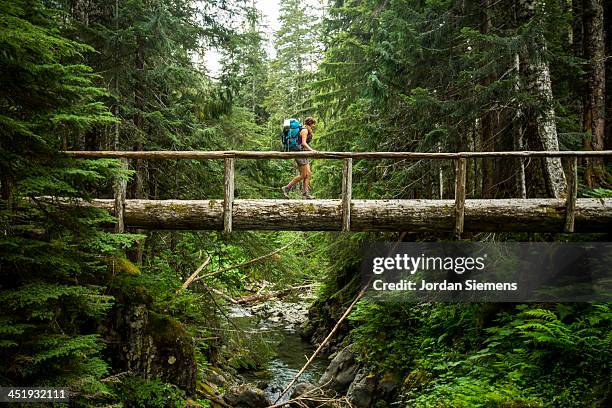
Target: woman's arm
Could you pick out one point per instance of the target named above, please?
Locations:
(304, 136)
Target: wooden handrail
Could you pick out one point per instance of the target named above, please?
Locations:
(460, 181)
(206, 155)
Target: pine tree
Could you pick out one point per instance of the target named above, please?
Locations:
(245, 65)
(50, 257)
(293, 68)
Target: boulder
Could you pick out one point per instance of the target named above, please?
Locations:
(301, 388)
(246, 396)
(341, 371)
(367, 389)
(362, 390)
(152, 345)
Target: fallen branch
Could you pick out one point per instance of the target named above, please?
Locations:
(268, 295)
(324, 342)
(317, 396)
(251, 262)
(223, 295)
(193, 276)
(213, 398)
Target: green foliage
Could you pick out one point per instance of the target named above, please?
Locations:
(598, 193)
(50, 257)
(139, 393)
(488, 355)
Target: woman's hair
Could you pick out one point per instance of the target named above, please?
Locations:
(310, 121)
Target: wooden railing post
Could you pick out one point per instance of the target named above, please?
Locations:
(572, 193)
(460, 196)
(228, 199)
(347, 191)
(120, 191)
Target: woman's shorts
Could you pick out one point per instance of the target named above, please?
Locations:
(302, 162)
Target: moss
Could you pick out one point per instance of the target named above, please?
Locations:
(165, 329)
(310, 207)
(416, 379)
(139, 294)
(554, 213)
(178, 208)
(123, 265)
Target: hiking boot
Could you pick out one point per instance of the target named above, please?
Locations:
(286, 191)
(307, 195)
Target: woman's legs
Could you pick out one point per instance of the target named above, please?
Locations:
(305, 170)
(304, 173)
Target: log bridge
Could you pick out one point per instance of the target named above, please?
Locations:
(567, 215)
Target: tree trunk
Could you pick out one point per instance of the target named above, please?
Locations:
(488, 118)
(608, 38)
(501, 215)
(595, 100)
(577, 28)
(544, 130)
(138, 188)
(518, 131)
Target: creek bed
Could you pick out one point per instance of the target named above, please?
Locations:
(278, 322)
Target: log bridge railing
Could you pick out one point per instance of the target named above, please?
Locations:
(549, 215)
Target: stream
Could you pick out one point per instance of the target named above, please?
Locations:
(279, 321)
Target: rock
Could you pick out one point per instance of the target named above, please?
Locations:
(153, 345)
(366, 390)
(246, 396)
(340, 372)
(215, 378)
(362, 390)
(387, 386)
(301, 388)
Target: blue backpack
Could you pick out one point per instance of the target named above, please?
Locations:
(291, 135)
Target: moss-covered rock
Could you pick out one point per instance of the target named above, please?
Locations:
(152, 345)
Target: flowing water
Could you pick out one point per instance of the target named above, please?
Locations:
(290, 351)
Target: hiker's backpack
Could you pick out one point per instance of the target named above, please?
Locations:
(291, 135)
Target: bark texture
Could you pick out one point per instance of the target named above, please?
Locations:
(526, 215)
(543, 127)
(595, 100)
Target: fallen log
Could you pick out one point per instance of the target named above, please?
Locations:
(503, 215)
(258, 297)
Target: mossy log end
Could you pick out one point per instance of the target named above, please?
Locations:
(503, 215)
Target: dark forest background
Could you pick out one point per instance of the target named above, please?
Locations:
(98, 311)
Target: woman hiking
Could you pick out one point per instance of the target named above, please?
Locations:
(303, 163)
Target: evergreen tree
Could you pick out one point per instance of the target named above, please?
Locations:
(51, 258)
(245, 65)
(297, 54)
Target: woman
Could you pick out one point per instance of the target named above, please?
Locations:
(303, 164)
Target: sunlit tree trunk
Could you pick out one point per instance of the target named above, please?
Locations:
(544, 130)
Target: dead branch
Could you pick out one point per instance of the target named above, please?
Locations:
(251, 262)
(223, 295)
(193, 276)
(268, 295)
(316, 395)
